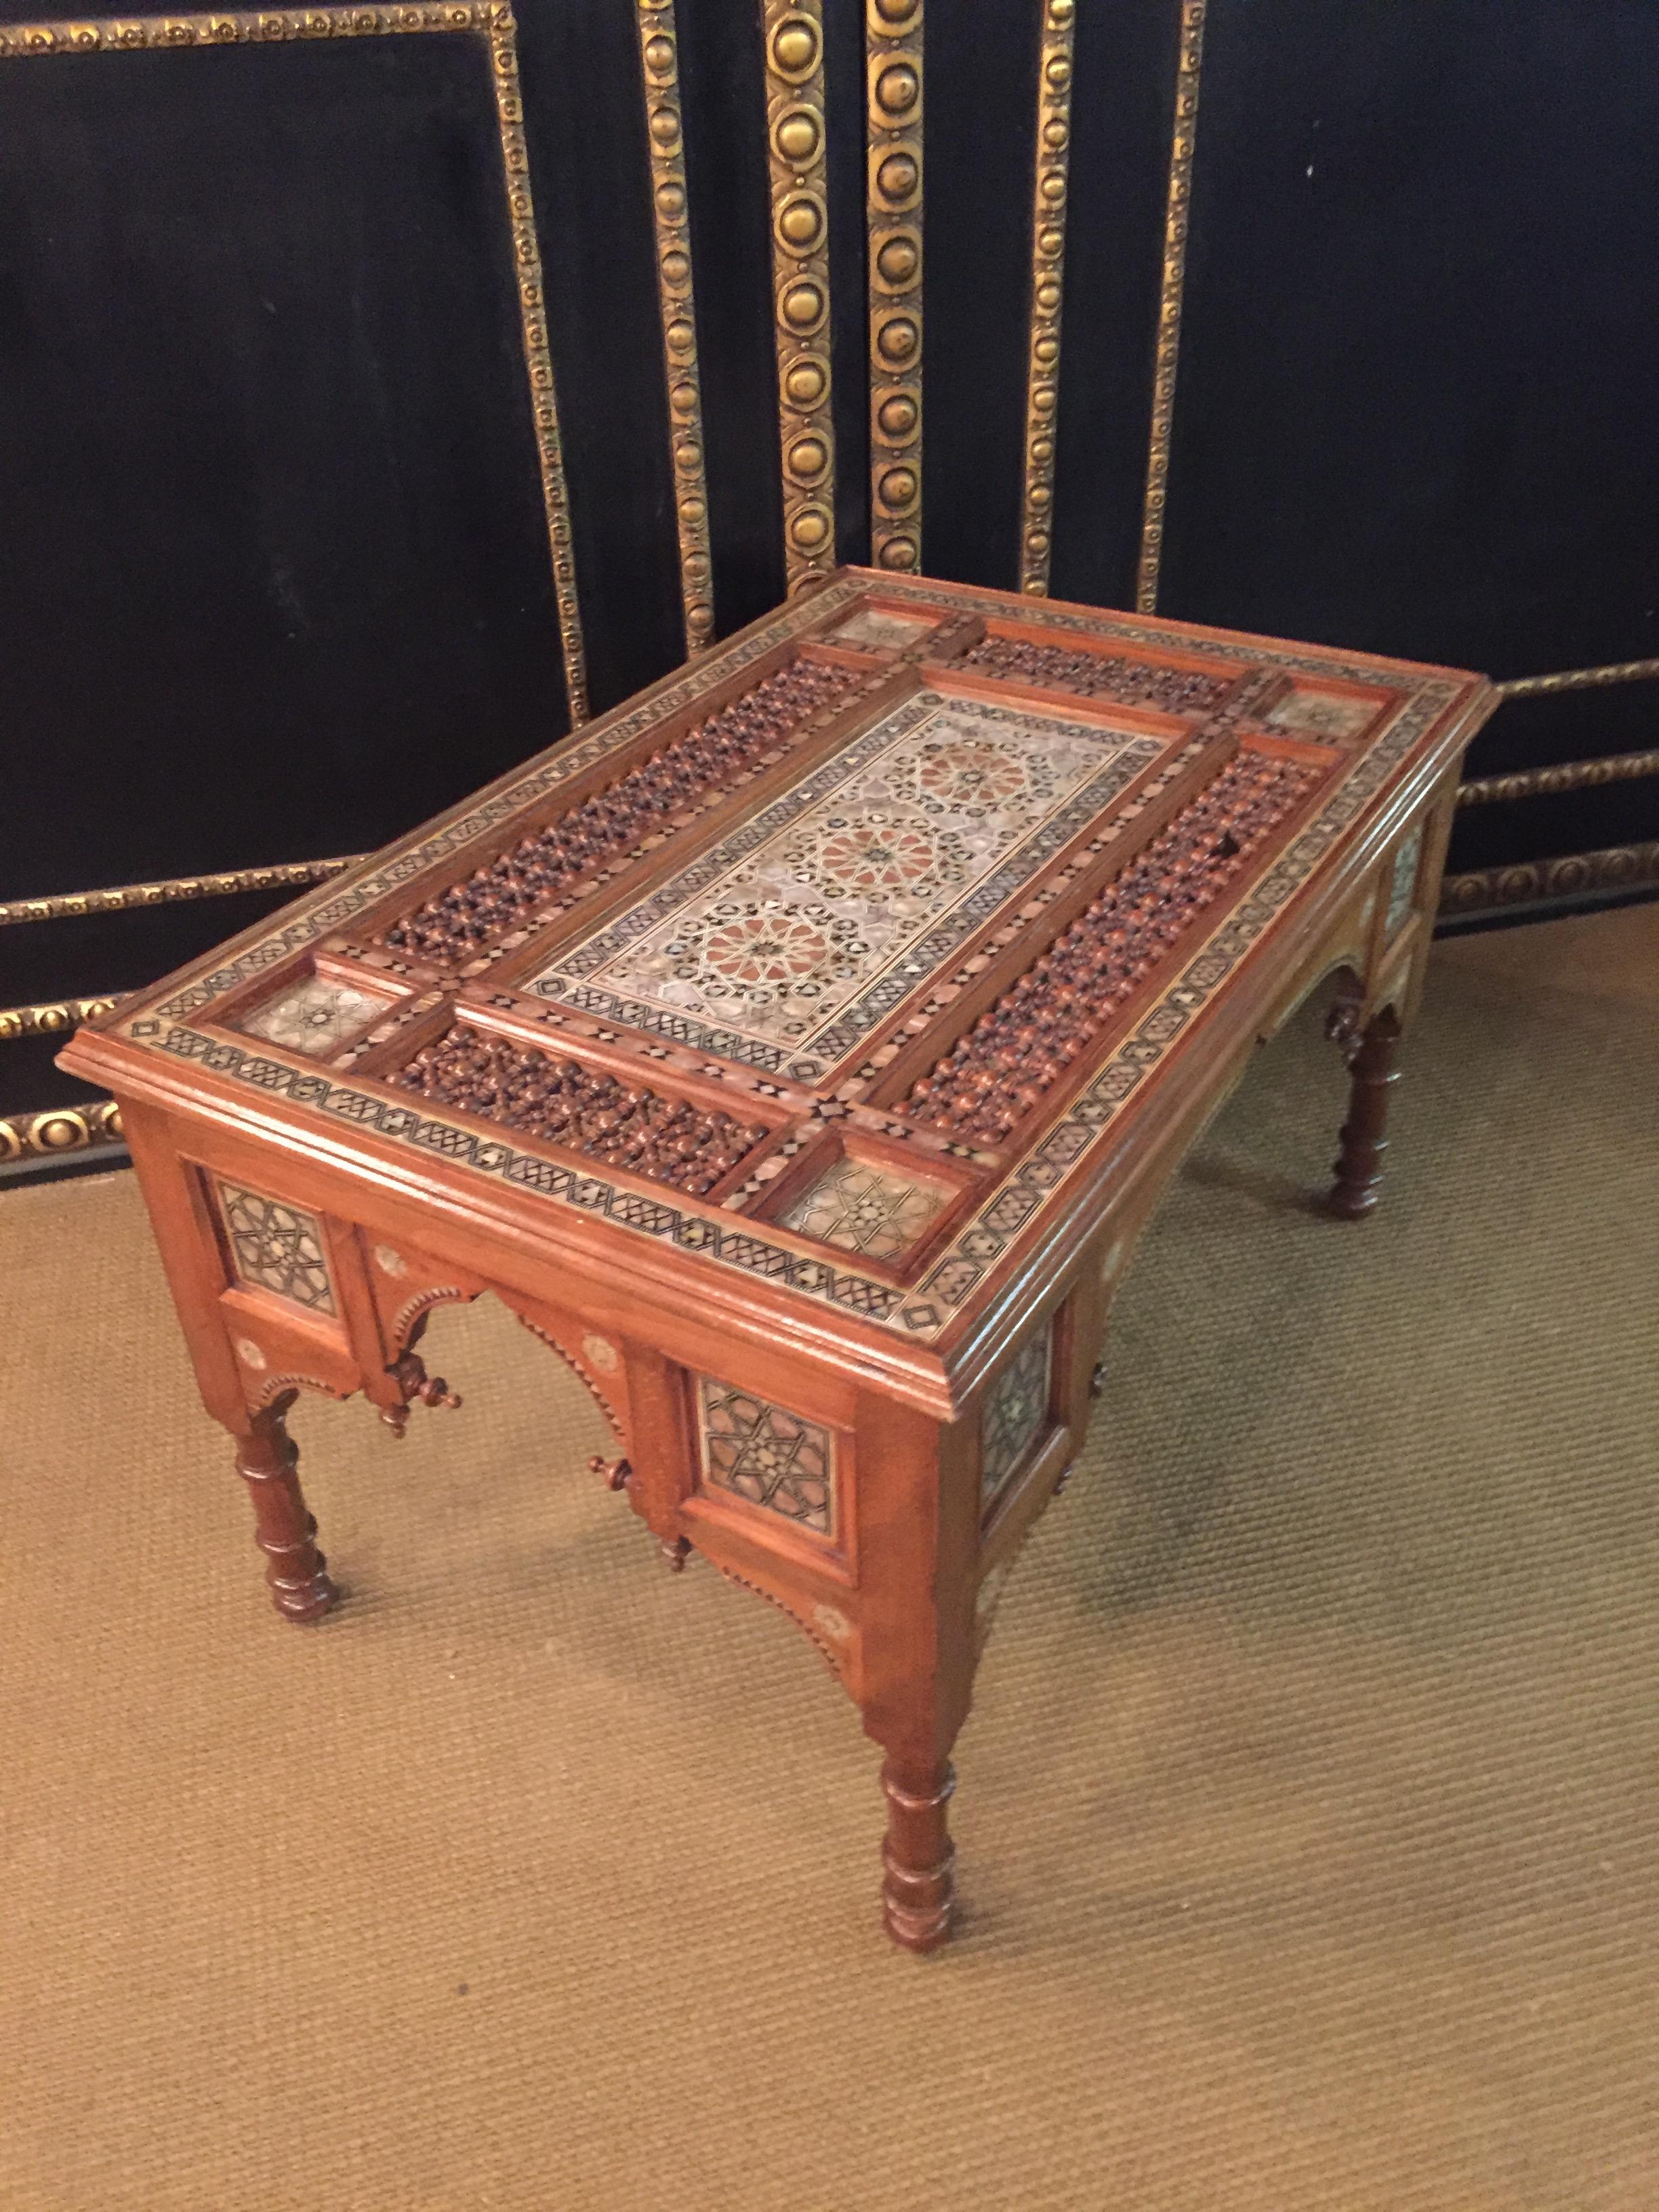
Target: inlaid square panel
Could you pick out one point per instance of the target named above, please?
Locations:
(277, 1248)
(795, 934)
(316, 1015)
(770, 1458)
(887, 633)
(1016, 1412)
(1321, 714)
(866, 1208)
(1402, 885)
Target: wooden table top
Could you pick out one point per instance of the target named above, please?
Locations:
(826, 983)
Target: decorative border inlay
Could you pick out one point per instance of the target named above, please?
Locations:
(493, 21)
(660, 61)
(796, 138)
(921, 1313)
(892, 61)
(1177, 213)
(1054, 135)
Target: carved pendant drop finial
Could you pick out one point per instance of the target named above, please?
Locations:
(410, 1374)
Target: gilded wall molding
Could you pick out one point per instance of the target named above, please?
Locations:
(1054, 135)
(59, 1130)
(56, 1017)
(1177, 212)
(1563, 775)
(893, 85)
(537, 360)
(659, 64)
(796, 138)
(1527, 882)
(493, 23)
(1579, 679)
(286, 876)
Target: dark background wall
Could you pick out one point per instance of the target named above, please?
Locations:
(274, 579)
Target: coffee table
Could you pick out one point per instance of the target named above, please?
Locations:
(798, 1050)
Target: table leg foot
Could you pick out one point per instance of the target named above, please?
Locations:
(917, 1890)
(675, 1550)
(296, 1570)
(1359, 1166)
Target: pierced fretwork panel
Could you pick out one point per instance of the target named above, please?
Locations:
(768, 1457)
(276, 1248)
(1016, 1413)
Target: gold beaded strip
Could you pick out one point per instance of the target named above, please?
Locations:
(796, 135)
(492, 19)
(60, 1129)
(892, 61)
(1177, 212)
(1565, 775)
(537, 360)
(1579, 679)
(665, 133)
(55, 1018)
(232, 28)
(1054, 135)
(1615, 868)
(63, 904)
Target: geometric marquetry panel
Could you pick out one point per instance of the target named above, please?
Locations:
(1016, 1412)
(276, 1248)
(888, 633)
(315, 1015)
(781, 942)
(1319, 714)
(871, 1210)
(771, 1458)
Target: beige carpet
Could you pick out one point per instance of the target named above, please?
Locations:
(1307, 1817)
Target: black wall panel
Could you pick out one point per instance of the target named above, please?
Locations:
(977, 287)
(273, 555)
(1415, 405)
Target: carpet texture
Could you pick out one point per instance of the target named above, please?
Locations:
(1307, 1813)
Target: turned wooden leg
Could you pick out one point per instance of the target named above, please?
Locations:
(1359, 1166)
(296, 1570)
(918, 1888)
